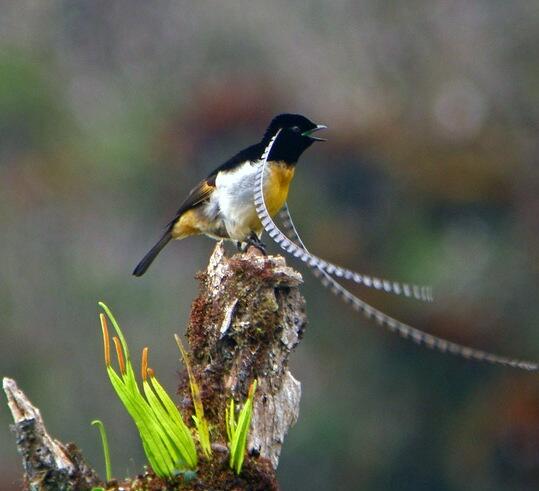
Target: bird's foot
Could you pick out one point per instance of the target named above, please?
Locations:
(254, 241)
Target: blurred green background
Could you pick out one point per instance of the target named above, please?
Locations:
(111, 111)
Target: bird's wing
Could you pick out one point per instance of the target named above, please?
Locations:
(198, 195)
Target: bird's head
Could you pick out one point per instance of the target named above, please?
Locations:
(295, 137)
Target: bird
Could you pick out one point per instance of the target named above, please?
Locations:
(221, 206)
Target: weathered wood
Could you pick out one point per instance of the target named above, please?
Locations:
(48, 463)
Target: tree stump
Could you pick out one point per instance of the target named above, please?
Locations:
(247, 319)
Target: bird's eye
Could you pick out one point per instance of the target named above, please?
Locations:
(295, 129)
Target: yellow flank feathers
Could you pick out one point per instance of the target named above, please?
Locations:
(192, 222)
(276, 186)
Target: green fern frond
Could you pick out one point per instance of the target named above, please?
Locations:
(200, 420)
(237, 430)
(167, 441)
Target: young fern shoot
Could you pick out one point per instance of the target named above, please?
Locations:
(106, 449)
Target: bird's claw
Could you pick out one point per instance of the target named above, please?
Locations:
(254, 241)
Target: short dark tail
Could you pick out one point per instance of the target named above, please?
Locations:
(148, 258)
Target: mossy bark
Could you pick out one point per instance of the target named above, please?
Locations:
(247, 319)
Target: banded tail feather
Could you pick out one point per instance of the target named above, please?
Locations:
(322, 268)
(423, 293)
(402, 329)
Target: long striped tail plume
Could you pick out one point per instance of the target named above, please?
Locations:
(423, 293)
(323, 270)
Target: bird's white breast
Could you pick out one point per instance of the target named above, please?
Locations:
(234, 196)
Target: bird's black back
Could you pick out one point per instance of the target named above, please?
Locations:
(254, 152)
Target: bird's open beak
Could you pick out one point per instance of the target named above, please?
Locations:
(310, 132)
